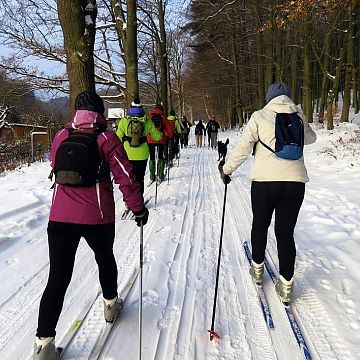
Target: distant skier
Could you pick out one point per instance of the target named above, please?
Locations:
(278, 184)
(184, 139)
(86, 210)
(212, 128)
(199, 132)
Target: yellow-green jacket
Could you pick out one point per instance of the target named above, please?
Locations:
(175, 124)
(141, 152)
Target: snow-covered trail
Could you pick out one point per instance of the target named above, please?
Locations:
(179, 296)
(180, 257)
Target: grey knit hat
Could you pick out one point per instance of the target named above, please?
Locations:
(277, 89)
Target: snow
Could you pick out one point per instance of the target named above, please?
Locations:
(181, 243)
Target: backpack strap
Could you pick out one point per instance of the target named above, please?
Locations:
(142, 139)
(268, 147)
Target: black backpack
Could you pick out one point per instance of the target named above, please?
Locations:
(78, 161)
(289, 136)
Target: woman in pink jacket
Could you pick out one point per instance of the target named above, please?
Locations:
(89, 212)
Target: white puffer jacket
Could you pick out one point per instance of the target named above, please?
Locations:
(268, 167)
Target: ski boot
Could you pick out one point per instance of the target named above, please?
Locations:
(112, 309)
(284, 289)
(44, 349)
(257, 272)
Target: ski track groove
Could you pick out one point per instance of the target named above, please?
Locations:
(237, 234)
(232, 333)
(175, 291)
(190, 268)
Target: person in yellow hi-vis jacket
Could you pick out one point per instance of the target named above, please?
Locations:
(132, 130)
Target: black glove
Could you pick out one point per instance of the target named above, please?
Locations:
(141, 216)
(225, 178)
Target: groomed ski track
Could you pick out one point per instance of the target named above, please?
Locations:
(179, 280)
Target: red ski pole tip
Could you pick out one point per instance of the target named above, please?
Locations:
(213, 335)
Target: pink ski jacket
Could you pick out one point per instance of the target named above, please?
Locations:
(95, 205)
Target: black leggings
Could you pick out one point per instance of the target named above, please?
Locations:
(285, 197)
(63, 239)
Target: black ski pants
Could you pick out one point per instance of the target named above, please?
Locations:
(285, 197)
(63, 240)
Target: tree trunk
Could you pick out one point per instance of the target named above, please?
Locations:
(294, 72)
(349, 65)
(77, 21)
(356, 66)
(171, 105)
(237, 91)
(307, 98)
(131, 54)
(325, 80)
(259, 59)
(333, 92)
(163, 57)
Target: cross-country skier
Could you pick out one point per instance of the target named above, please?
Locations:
(162, 124)
(277, 185)
(87, 212)
(132, 131)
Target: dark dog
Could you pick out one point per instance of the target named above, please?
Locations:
(222, 149)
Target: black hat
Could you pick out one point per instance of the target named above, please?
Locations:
(89, 100)
(136, 103)
(172, 113)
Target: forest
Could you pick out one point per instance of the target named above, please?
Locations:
(202, 58)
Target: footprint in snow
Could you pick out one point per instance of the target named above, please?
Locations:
(11, 261)
(163, 230)
(176, 238)
(150, 297)
(345, 285)
(325, 284)
(149, 256)
(169, 313)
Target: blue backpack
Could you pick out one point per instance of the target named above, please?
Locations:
(289, 137)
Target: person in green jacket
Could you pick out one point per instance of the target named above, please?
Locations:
(132, 130)
(172, 148)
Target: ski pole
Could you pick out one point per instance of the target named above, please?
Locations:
(178, 156)
(141, 286)
(169, 160)
(168, 174)
(212, 331)
(157, 173)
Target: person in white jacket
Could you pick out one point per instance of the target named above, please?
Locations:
(277, 185)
